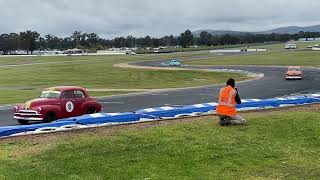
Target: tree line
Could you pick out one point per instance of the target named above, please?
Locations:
(30, 41)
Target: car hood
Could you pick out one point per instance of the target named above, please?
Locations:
(38, 102)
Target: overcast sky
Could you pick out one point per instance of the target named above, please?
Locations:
(110, 18)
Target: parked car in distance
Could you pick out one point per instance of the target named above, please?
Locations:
(175, 62)
(291, 46)
(57, 103)
(294, 72)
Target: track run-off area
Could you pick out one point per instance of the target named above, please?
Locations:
(271, 84)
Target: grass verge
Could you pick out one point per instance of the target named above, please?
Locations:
(95, 72)
(286, 58)
(16, 96)
(275, 144)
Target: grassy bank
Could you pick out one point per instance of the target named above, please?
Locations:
(273, 145)
(204, 48)
(300, 58)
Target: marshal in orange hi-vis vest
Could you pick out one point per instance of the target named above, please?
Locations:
(227, 103)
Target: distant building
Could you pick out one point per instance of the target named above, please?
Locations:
(309, 39)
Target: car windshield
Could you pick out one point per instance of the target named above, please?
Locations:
(294, 69)
(50, 94)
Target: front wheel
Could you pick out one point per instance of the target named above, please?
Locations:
(50, 117)
(23, 122)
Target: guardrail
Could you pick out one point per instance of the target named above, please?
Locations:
(237, 50)
(152, 114)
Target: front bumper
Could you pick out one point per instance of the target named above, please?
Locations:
(293, 77)
(28, 115)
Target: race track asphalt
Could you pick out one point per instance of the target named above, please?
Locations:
(273, 84)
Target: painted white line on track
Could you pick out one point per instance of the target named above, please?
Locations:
(285, 89)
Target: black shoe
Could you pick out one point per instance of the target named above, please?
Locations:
(224, 123)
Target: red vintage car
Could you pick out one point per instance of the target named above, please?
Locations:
(57, 103)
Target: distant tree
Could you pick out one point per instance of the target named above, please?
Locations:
(131, 41)
(119, 42)
(147, 41)
(31, 40)
(4, 43)
(92, 39)
(67, 43)
(75, 38)
(171, 41)
(205, 38)
(83, 40)
(28, 40)
(53, 42)
(186, 39)
(41, 44)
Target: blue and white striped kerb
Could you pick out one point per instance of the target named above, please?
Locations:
(161, 112)
(315, 95)
(149, 114)
(102, 118)
(200, 108)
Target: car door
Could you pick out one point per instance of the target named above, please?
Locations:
(67, 104)
(79, 99)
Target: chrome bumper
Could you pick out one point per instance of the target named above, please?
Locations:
(28, 115)
(293, 77)
(28, 118)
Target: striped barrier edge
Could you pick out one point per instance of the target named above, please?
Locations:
(152, 114)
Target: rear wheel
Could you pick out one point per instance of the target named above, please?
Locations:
(50, 117)
(91, 110)
(20, 121)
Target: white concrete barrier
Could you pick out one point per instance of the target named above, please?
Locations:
(237, 50)
(251, 50)
(261, 50)
(225, 51)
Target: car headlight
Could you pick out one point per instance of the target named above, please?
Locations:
(16, 109)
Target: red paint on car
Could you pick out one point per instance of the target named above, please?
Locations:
(57, 103)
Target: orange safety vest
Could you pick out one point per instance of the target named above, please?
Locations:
(227, 102)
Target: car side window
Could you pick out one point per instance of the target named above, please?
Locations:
(67, 95)
(78, 94)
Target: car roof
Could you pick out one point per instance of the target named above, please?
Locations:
(64, 88)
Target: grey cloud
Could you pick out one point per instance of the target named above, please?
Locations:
(157, 18)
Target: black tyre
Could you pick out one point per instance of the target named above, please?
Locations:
(91, 110)
(50, 117)
(23, 122)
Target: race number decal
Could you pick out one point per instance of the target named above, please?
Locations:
(69, 107)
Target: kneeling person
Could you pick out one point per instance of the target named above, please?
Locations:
(226, 108)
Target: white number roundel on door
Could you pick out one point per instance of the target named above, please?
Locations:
(69, 106)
